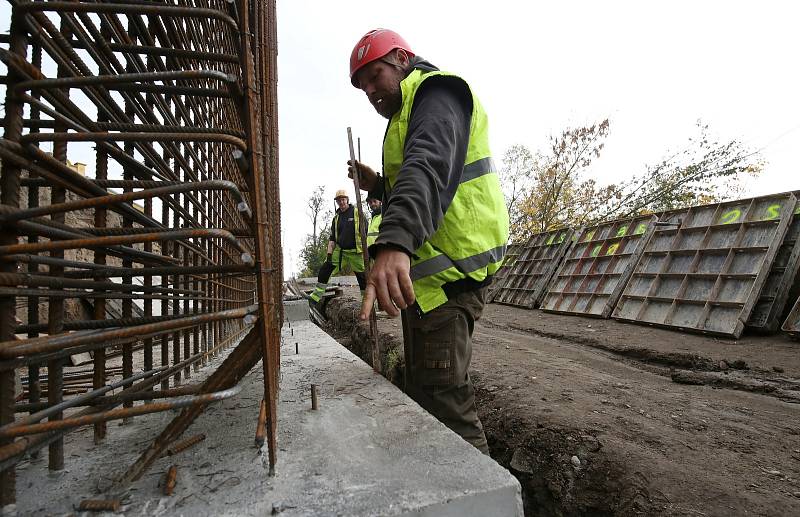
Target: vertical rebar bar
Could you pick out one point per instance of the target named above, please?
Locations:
(9, 195)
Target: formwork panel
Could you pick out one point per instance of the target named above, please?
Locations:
(719, 258)
(775, 295)
(597, 267)
(792, 323)
(537, 261)
(500, 278)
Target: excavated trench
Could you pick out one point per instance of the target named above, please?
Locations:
(562, 471)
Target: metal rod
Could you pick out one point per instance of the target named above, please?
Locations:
(181, 100)
(362, 235)
(314, 402)
(117, 414)
(52, 410)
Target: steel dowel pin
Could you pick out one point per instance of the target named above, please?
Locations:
(296, 348)
(99, 505)
(261, 428)
(170, 480)
(185, 444)
(314, 402)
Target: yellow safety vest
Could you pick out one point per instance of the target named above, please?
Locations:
(471, 238)
(357, 223)
(373, 229)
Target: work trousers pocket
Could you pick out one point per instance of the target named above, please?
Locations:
(435, 347)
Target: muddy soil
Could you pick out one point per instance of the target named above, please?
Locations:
(598, 417)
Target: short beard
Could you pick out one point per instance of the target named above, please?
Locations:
(391, 104)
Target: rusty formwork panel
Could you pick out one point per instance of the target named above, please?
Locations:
(706, 274)
(597, 266)
(175, 221)
(512, 252)
(792, 323)
(776, 294)
(530, 275)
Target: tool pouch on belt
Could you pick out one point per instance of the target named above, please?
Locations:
(435, 358)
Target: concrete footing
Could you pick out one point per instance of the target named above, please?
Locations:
(366, 450)
(369, 449)
(295, 310)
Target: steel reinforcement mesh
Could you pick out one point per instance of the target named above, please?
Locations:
(140, 217)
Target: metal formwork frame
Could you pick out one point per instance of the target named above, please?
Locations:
(792, 323)
(772, 303)
(533, 268)
(706, 274)
(173, 239)
(597, 267)
(500, 277)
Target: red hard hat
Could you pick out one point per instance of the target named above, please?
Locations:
(374, 45)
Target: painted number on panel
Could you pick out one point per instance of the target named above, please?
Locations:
(772, 212)
(640, 229)
(596, 250)
(731, 216)
(612, 249)
(589, 236)
(621, 231)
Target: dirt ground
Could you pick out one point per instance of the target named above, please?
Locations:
(598, 417)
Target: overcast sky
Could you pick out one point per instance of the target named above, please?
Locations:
(652, 68)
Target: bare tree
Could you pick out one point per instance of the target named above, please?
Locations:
(316, 207)
(549, 190)
(704, 171)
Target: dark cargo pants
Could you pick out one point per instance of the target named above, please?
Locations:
(438, 350)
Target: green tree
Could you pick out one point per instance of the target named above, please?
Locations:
(313, 252)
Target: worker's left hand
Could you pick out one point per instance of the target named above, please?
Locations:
(389, 282)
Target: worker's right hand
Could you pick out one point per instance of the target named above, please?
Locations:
(367, 179)
(389, 282)
(329, 259)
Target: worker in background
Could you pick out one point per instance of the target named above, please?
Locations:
(344, 247)
(375, 219)
(444, 224)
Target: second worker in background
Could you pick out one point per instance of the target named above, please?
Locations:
(344, 247)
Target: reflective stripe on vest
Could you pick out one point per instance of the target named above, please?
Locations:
(441, 263)
(471, 238)
(477, 169)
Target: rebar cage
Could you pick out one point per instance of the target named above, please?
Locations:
(140, 216)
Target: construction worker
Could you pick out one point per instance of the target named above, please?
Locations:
(344, 247)
(375, 220)
(444, 225)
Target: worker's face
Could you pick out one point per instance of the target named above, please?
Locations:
(373, 203)
(380, 80)
(342, 202)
